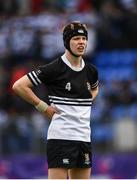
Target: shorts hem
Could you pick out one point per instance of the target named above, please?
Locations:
(69, 167)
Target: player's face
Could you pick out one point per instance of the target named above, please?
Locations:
(78, 45)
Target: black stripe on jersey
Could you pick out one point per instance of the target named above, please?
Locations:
(70, 101)
(94, 85)
(71, 104)
(31, 80)
(34, 78)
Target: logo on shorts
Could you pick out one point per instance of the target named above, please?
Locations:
(65, 161)
(87, 159)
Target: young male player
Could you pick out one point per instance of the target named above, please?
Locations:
(72, 86)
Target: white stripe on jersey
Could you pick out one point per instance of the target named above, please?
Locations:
(32, 78)
(95, 85)
(36, 77)
(66, 102)
(70, 99)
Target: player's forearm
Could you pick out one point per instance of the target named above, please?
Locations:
(22, 89)
(27, 94)
(94, 93)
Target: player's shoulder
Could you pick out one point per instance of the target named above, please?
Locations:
(54, 65)
(91, 67)
(56, 62)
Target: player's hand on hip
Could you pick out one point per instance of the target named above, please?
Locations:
(50, 111)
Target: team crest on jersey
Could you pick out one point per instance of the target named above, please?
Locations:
(38, 72)
(88, 86)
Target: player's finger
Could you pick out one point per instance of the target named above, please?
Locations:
(56, 109)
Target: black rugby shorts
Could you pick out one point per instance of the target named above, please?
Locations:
(68, 154)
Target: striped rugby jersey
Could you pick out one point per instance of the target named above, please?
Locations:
(69, 90)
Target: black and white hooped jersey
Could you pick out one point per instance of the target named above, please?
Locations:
(69, 90)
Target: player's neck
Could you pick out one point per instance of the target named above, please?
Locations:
(74, 61)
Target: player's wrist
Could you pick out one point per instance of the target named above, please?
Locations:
(42, 106)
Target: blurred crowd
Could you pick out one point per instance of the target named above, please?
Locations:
(30, 35)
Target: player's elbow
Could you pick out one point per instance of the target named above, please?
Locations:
(16, 87)
(95, 92)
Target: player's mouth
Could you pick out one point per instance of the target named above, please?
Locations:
(81, 48)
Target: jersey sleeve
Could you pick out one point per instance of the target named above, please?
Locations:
(44, 74)
(93, 76)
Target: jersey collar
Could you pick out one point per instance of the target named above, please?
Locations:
(66, 61)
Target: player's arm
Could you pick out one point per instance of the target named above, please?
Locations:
(93, 79)
(23, 88)
(94, 92)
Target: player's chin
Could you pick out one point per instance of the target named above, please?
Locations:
(80, 53)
